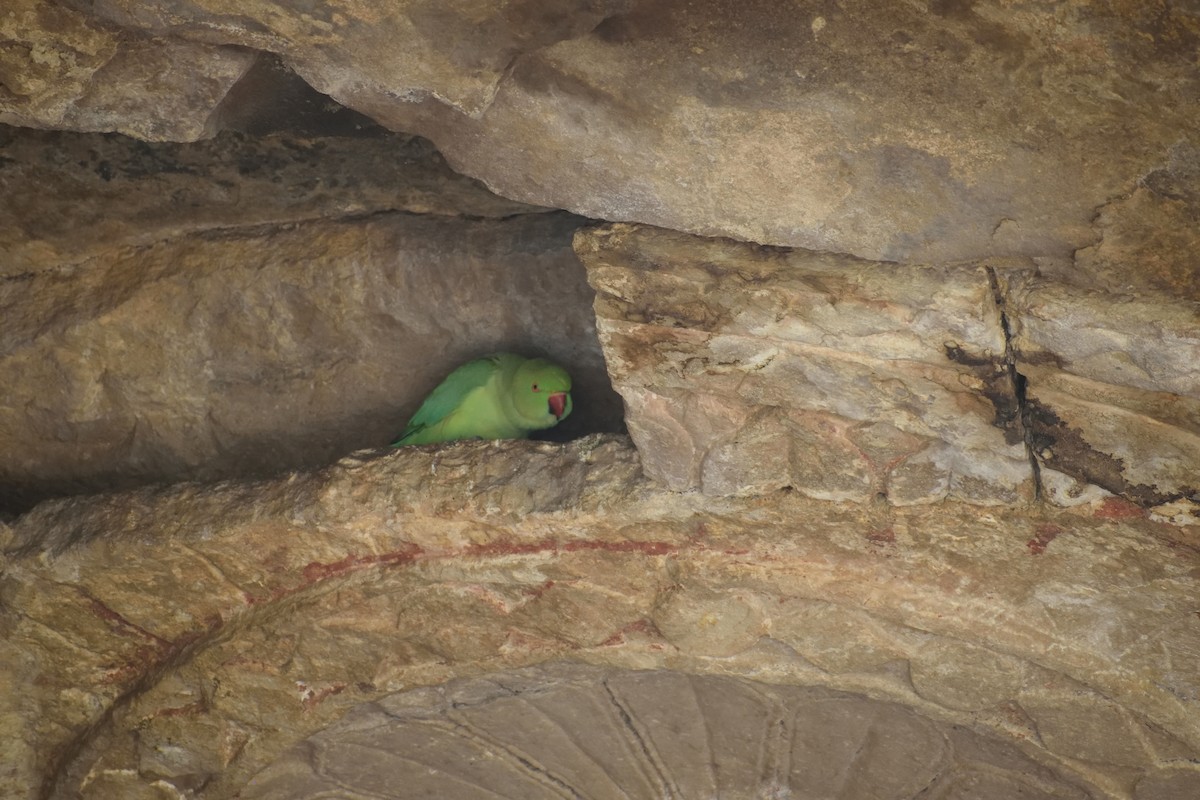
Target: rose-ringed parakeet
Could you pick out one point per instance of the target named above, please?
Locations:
(501, 396)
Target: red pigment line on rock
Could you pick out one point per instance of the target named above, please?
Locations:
(160, 651)
(627, 546)
(1044, 534)
(316, 570)
(642, 626)
(104, 612)
(882, 536)
(190, 710)
(508, 547)
(1119, 508)
(537, 591)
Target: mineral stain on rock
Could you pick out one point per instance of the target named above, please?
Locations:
(997, 386)
(1062, 447)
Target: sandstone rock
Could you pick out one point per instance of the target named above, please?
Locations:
(401, 49)
(746, 370)
(67, 198)
(822, 614)
(64, 69)
(182, 639)
(249, 352)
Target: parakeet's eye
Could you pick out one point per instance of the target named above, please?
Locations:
(535, 387)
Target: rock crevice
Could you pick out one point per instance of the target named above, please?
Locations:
(1017, 383)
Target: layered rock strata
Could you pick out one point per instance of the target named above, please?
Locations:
(182, 639)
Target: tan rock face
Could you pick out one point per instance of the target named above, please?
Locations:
(915, 132)
(61, 68)
(1113, 388)
(648, 734)
(250, 354)
(69, 199)
(186, 638)
(894, 523)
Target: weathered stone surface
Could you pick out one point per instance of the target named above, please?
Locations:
(67, 198)
(746, 370)
(249, 352)
(1148, 237)
(60, 68)
(400, 49)
(595, 732)
(183, 638)
(883, 131)
(1113, 387)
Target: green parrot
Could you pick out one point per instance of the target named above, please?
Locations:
(501, 396)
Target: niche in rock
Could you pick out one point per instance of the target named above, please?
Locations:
(569, 730)
(269, 299)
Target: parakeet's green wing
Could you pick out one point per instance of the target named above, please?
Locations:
(447, 396)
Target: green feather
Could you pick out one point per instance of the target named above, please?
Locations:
(501, 396)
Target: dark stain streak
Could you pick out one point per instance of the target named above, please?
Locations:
(1065, 449)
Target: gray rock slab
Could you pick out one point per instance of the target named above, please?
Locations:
(70, 200)
(1113, 383)
(910, 132)
(66, 69)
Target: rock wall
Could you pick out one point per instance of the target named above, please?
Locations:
(911, 473)
(182, 639)
(653, 734)
(747, 369)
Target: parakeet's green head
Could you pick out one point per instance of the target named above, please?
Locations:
(542, 392)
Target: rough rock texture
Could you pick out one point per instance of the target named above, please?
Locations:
(1113, 388)
(60, 68)
(70, 199)
(650, 734)
(180, 640)
(747, 369)
(936, 130)
(1149, 235)
(1001, 201)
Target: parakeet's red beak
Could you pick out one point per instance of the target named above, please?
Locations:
(558, 404)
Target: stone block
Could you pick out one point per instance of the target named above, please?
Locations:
(746, 369)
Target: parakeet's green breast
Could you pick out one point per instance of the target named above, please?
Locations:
(501, 396)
